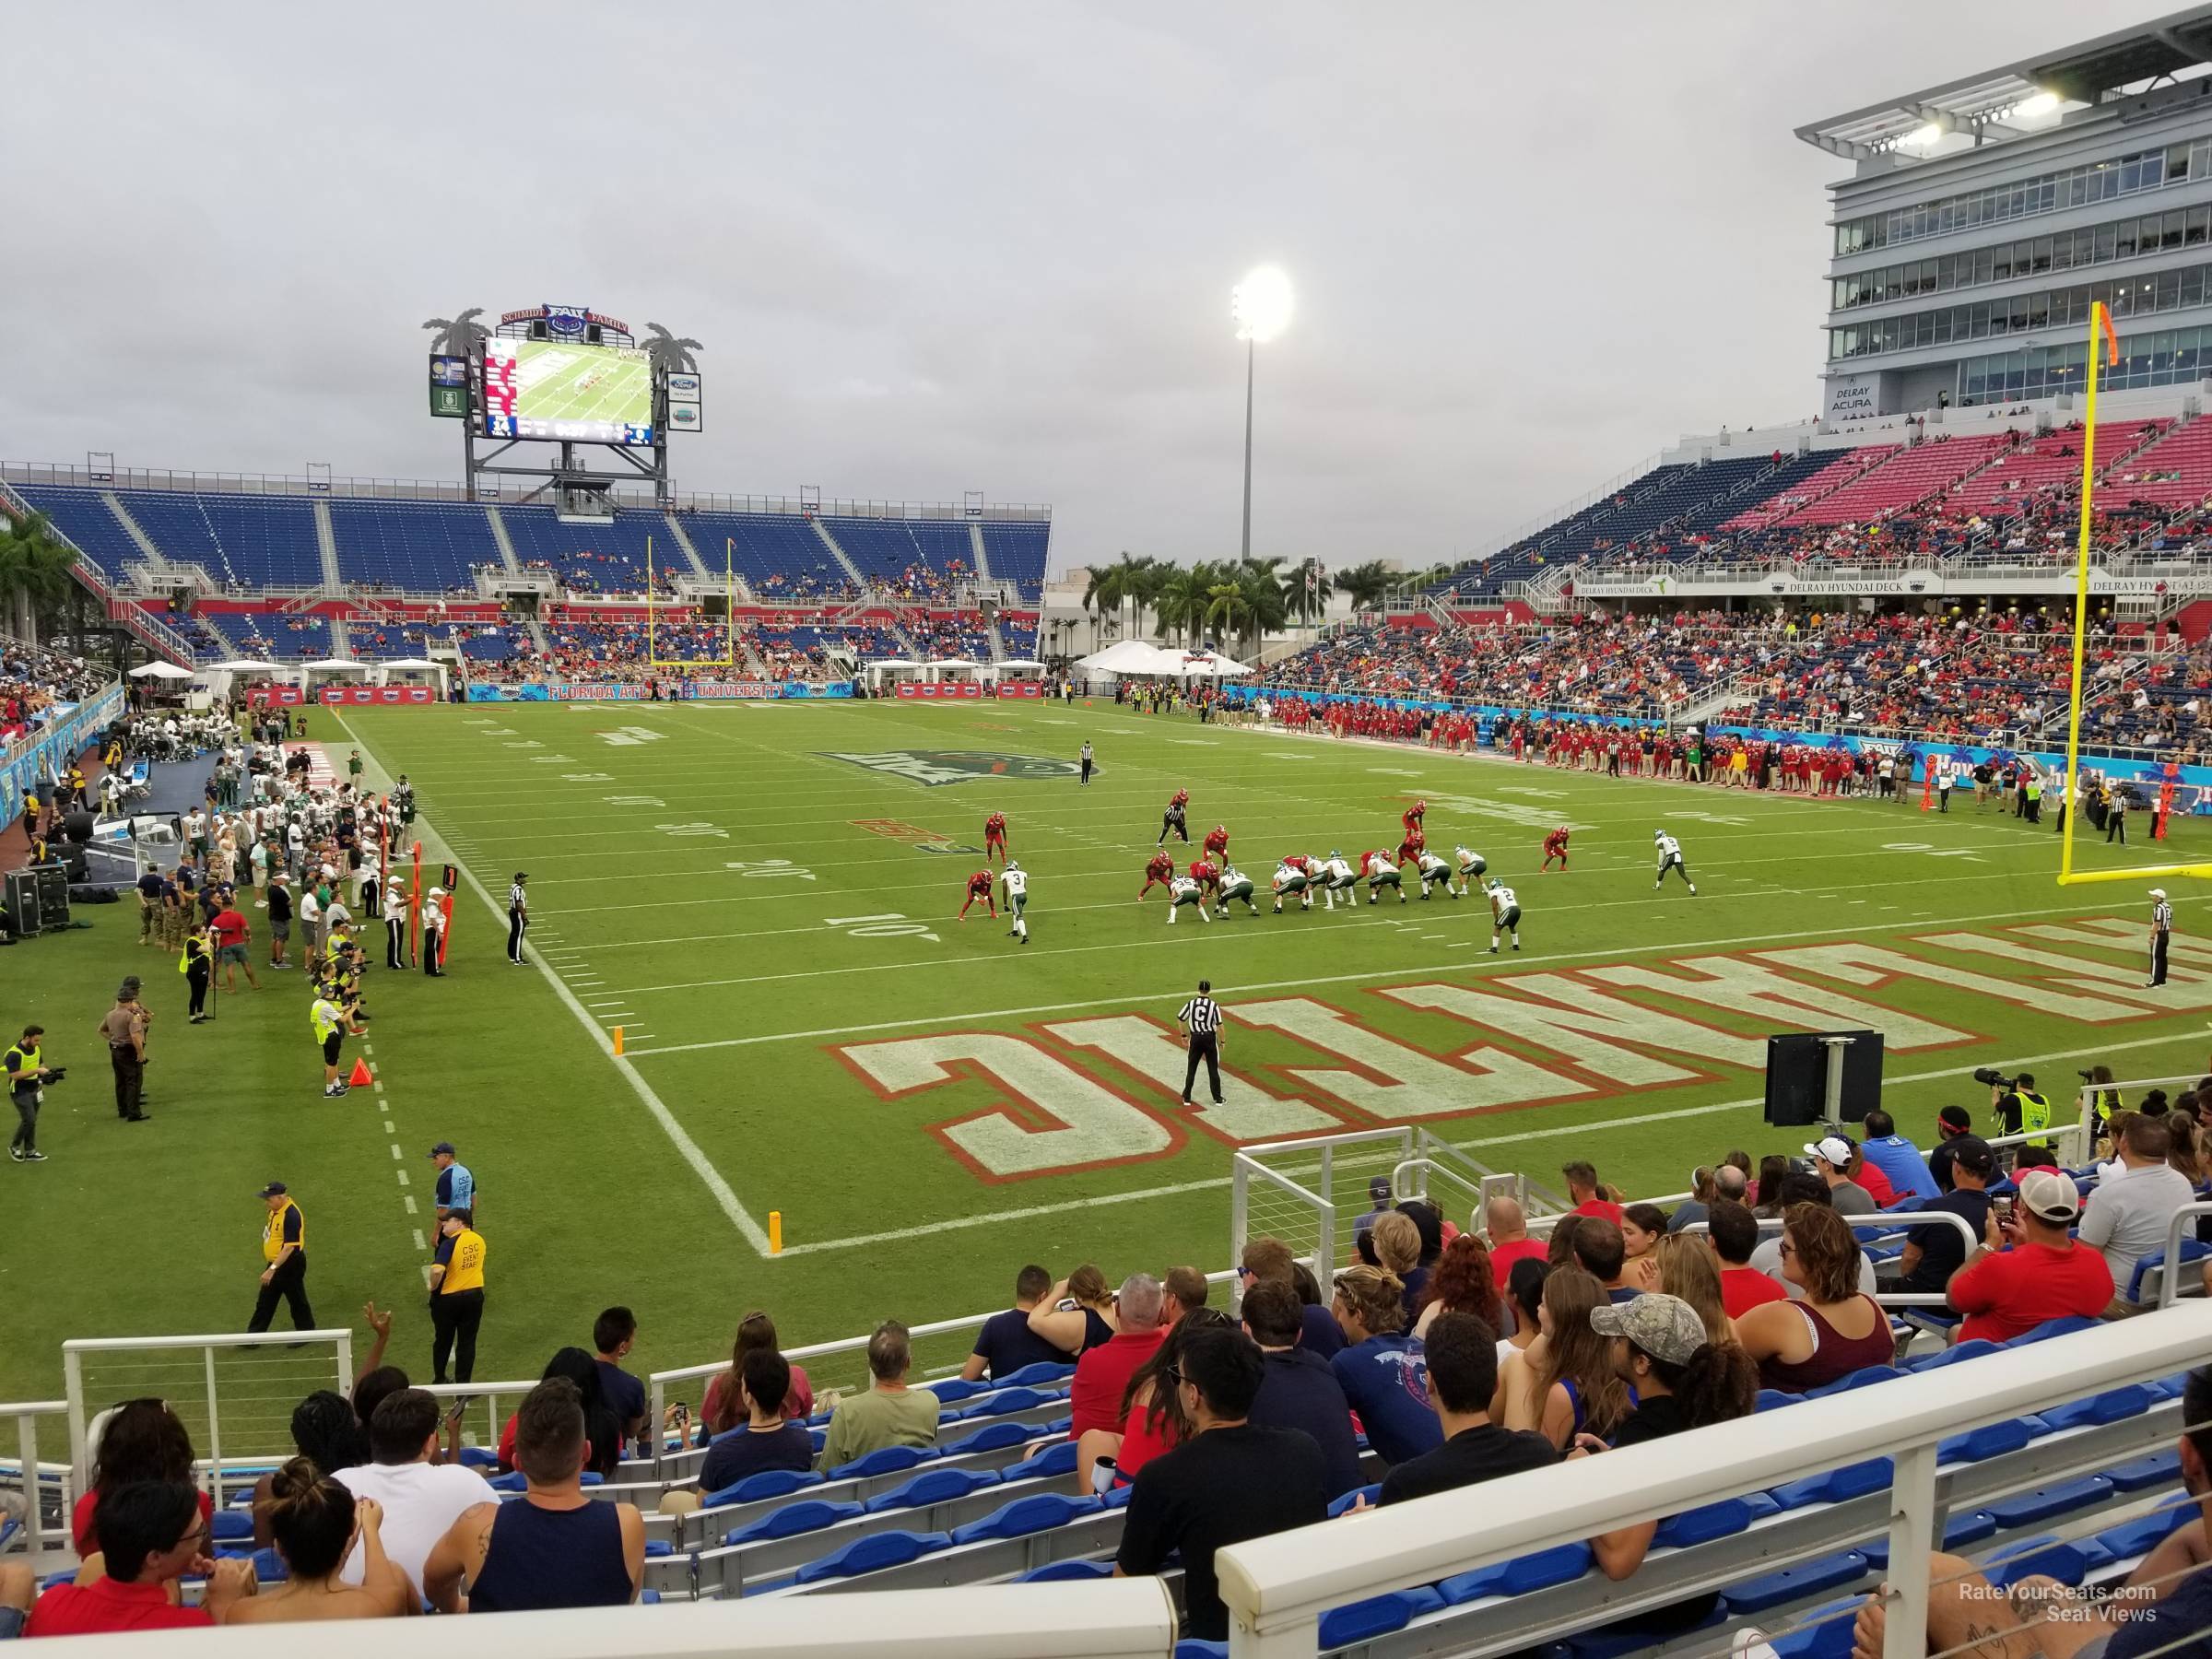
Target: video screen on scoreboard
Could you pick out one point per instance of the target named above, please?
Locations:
(564, 389)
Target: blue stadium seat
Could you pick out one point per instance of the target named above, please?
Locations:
(2146, 1474)
(769, 1483)
(1377, 1616)
(1772, 1398)
(1058, 1572)
(810, 1515)
(231, 1525)
(1117, 1497)
(1852, 1480)
(1339, 1505)
(1191, 1648)
(1974, 1349)
(2139, 1536)
(1992, 1440)
(1807, 1578)
(1056, 1459)
(2142, 1286)
(1039, 1512)
(934, 1485)
(2049, 1556)
(1865, 1377)
(995, 1437)
(1006, 1401)
(953, 1390)
(2171, 1388)
(884, 1459)
(1033, 1376)
(2053, 1327)
(478, 1457)
(1964, 1528)
(1700, 1526)
(2108, 1406)
(270, 1567)
(2029, 1508)
(658, 1548)
(1821, 1633)
(1561, 1564)
(871, 1554)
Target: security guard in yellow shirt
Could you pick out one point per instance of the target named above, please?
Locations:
(456, 1297)
(284, 1248)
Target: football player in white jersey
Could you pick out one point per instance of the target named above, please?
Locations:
(1293, 879)
(1435, 873)
(1670, 858)
(1471, 866)
(1016, 880)
(1183, 890)
(1235, 884)
(1382, 872)
(1505, 914)
(1338, 877)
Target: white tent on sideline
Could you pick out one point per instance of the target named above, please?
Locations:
(1126, 657)
(165, 671)
(408, 666)
(1205, 664)
(247, 666)
(337, 665)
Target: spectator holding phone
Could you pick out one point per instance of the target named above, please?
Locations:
(2029, 1268)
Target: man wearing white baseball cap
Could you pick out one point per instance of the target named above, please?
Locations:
(1831, 1161)
(2162, 926)
(2029, 1269)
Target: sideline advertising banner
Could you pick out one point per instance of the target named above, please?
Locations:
(673, 692)
(352, 696)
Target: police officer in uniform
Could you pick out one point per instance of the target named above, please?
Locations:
(284, 1248)
(518, 917)
(2162, 929)
(1202, 1013)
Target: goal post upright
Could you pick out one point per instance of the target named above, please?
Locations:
(2101, 334)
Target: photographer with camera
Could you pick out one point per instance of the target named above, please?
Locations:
(2020, 1109)
(26, 1070)
(333, 1021)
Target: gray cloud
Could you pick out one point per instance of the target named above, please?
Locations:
(984, 246)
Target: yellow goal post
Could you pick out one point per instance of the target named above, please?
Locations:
(2101, 334)
(729, 579)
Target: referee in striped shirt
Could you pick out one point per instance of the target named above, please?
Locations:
(1202, 1013)
(2162, 929)
(518, 917)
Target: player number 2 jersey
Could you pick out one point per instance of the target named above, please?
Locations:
(1503, 902)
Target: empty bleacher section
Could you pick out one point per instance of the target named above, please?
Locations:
(779, 555)
(1836, 469)
(1909, 476)
(607, 558)
(2174, 472)
(911, 557)
(244, 542)
(413, 546)
(83, 515)
(1016, 552)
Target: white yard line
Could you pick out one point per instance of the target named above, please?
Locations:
(655, 1107)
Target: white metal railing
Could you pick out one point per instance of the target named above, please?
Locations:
(36, 1474)
(2169, 1276)
(1276, 1588)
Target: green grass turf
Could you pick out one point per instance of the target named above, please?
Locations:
(741, 991)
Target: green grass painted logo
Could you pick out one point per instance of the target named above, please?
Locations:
(933, 767)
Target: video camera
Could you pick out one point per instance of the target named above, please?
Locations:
(1995, 1080)
(58, 1074)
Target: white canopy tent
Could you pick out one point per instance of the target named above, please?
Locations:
(1205, 664)
(337, 665)
(1126, 657)
(247, 666)
(162, 671)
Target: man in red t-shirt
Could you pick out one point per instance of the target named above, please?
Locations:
(232, 933)
(1587, 1198)
(1732, 1231)
(1508, 1228)
(150, 1532)
(2006, 1292)
(1094, 1398)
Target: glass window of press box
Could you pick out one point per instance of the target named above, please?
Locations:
(2069, 187)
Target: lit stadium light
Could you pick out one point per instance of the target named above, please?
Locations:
(2043, 103)
(1926, 137)
(1260, 304)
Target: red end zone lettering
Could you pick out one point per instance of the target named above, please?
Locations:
(1052, 1117)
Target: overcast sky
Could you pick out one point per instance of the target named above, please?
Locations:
(968, 246)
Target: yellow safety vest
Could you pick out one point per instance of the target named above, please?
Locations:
(272, 1236)
(465, 1267)
(2035, 1114)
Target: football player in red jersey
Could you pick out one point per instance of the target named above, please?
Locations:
(995, 835)
(1208, 875)
(1171, 820)
(979, 887)
(1161, 868)
(1411, 818)
(1411, 848)
(1555, 846)
(1217, 842)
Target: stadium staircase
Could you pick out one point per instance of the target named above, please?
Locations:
(683, 540)
(1737, 691)
(341, 637)
(981, 552)
(326, 543)
(844, 560)
(1545, 593)
(157, 562)
(499, 537)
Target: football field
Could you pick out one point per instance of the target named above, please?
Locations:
(763, 899)
(561, 382)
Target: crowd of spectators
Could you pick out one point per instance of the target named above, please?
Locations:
(35, 683)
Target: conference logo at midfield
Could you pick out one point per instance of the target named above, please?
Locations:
(933, 767)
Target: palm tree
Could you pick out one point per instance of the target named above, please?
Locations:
(1307, 592)
(1183, 598)
(460, 335)
(34, 572)
(671, 354)
(1225, 605)
(1366, 585)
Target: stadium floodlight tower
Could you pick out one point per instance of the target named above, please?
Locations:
(547, 387)
(1261, 305)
